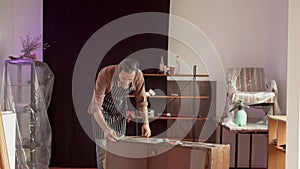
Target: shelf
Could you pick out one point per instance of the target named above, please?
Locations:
(27, 145)
(176, 97)
(179, 75)
(188, 141)
(276, 138)
(20, 85)
(274, 145)
(173, 118)
(279, 118)
(178, 118)
(277, 130)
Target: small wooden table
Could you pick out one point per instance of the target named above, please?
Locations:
(250, 128)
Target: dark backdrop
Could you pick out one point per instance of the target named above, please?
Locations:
(67, 26)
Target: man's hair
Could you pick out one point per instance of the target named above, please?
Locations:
(128, 65)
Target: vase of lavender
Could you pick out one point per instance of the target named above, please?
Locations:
(29, 45)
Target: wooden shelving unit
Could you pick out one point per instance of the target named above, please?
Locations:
(177, 96)
(276, 142)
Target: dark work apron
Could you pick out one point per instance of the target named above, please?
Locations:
(114, 111)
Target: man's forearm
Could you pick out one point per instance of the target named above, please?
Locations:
(108, 132)
(100, 120)
(144, 114)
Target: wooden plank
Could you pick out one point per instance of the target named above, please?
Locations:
(172, 118)
(276, 158)
(272, 134)
(182, 75)
(175, 97)
(276, 117)
(4, 163)
(281, 133)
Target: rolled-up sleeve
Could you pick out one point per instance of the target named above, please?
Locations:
(101, 86)
(139, 92)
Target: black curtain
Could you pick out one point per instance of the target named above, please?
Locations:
(67, 26)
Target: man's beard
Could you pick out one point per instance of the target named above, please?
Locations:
(124, 85)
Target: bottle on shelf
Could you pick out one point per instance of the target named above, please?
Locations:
(177, 65)
(161, 65)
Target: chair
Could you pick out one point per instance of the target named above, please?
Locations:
(248, 85)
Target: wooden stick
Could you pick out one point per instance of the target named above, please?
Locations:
(4, 163)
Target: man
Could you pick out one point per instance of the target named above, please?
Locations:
(109, 105)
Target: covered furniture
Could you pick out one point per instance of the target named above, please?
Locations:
(26, 90)
(250, 129)
(248, 85)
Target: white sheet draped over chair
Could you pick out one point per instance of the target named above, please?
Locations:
(248, 85)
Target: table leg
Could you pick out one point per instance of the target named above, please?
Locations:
(250, 151)
(236, 150)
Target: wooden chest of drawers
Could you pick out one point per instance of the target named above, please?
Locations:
(152, 153)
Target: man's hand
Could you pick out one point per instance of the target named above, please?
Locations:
(146, 132)
(110, 135)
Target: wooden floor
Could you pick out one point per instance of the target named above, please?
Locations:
(96, 168)
(69, 168)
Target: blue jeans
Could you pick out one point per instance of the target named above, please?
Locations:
(100, 153)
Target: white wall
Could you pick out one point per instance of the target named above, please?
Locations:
(277, 59)
(17, 18)
(6, 32)
(293, 87)
(244, 33)
(238, 29)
